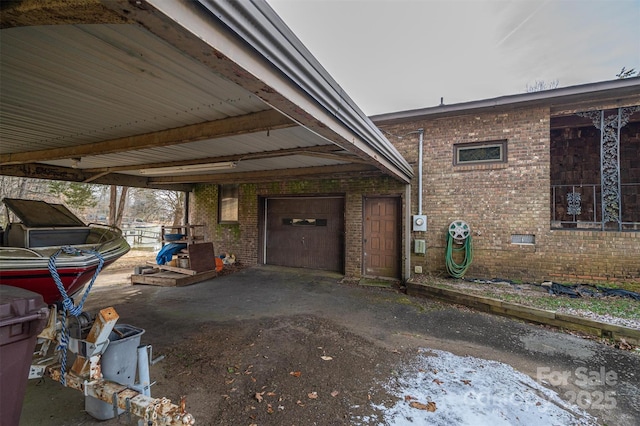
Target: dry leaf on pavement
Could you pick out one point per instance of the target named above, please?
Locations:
(429, 406)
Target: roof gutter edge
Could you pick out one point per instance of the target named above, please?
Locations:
(542, 97)
(263, 30)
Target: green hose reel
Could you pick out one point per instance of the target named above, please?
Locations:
(459, 235)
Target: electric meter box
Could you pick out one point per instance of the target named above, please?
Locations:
(420, 247)
(419, 222)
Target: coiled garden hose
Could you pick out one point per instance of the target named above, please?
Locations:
(458, 270)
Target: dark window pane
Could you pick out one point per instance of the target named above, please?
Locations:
(489, 153)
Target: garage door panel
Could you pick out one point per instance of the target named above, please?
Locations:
(306, 233)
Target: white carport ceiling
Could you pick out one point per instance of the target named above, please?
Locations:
(122, 86)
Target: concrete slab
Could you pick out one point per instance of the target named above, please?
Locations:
(383, 318)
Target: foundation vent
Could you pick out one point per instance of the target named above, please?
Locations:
(523, 239)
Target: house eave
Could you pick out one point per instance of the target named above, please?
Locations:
(625, 91)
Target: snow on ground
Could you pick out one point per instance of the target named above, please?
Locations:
(473, 391)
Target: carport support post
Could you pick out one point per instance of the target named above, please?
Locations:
(407, 232)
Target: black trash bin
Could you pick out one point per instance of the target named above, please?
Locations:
(23, 315)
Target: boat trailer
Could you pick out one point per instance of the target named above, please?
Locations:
(88, 339)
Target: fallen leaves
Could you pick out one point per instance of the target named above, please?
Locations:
(268, 401)
(622, 344)
(429, 406)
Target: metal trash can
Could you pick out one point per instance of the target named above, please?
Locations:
(119, 363)
(23, 315)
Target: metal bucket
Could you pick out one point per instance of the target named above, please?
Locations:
(119, 363)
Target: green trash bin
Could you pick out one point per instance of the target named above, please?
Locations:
(23, 315)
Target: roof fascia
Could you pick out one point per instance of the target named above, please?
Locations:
(268, 45)
(555, 98)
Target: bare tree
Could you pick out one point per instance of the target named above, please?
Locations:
(18, 187)
(173, 204)
(625, 73)
(540, 85)
(116, 214)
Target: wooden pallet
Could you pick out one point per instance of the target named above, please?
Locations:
(172, 279)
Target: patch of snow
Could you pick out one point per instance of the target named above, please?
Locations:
(608, 319)
(474, 391)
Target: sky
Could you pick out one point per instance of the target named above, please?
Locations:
(397, 55)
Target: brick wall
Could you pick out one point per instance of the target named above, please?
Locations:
(242, 239)
(498, 200)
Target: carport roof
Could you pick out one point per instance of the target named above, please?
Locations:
(129, 93)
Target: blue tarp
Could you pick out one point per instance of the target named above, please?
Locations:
(166, 253)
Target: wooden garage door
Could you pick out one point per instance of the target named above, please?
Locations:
(305, 232)
(382, 237)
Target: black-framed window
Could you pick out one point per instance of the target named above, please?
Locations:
(228, 203)
(480, 152)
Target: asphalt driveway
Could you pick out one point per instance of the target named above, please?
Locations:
(603, 381)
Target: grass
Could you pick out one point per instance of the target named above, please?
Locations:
(635, 287)
(614, 306)
(617, 307)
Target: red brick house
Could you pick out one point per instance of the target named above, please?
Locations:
(220, 100)
(549, 182)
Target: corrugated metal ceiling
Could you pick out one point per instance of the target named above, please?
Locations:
(100, 101)
(85, 83)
